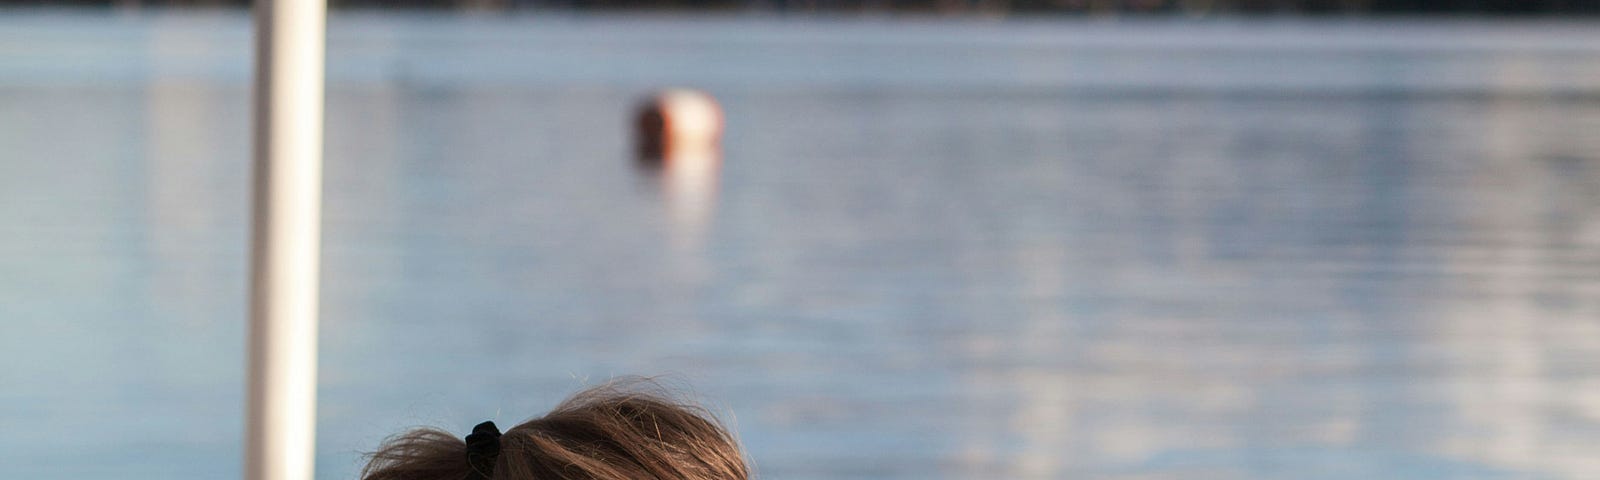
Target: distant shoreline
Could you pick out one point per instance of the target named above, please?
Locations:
(1471, 9)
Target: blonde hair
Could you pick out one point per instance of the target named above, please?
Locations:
(626, 430)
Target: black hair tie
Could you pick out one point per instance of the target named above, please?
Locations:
(483, 447)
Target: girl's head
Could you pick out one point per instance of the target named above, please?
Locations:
(620, 431)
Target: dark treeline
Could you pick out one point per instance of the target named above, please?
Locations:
(1306, 7)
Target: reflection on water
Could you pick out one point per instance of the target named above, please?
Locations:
(688, 185)
(1383, 270)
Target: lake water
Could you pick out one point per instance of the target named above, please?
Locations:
(1057, 248)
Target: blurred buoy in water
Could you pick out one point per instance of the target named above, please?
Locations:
(679, 123)
(679, 144)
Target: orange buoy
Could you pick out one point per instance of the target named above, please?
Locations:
(679, 123)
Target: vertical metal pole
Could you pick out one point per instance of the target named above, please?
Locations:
(285, 240)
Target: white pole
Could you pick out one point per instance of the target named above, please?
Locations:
(282, 398)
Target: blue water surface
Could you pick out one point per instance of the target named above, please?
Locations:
(1048, 248)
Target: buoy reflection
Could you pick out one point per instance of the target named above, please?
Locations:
(689, 186)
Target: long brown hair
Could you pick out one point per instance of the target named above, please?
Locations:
(625, 430)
